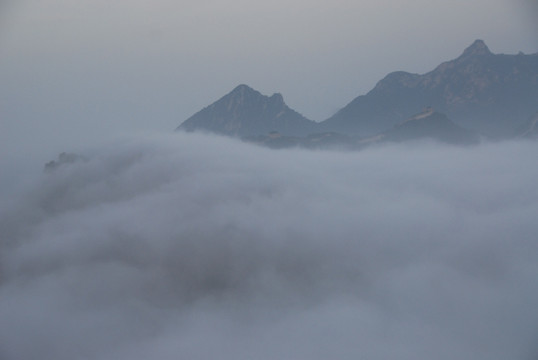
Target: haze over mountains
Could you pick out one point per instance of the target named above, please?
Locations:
(490, 94)
(121, 239)
(198, 246)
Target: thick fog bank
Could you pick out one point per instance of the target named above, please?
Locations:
(196, 247)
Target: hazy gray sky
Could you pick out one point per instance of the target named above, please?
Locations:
(75, 71)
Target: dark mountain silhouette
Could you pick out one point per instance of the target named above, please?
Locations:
(492, 94)
(246, 112)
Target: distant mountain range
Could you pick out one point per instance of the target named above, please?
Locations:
(491, 94)
(488, 94)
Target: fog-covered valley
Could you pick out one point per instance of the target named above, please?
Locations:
(189, 246)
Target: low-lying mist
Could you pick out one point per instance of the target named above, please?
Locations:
(201, 247)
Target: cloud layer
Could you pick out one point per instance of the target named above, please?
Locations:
(196, 247)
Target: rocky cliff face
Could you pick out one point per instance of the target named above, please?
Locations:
(492, 94)
(246, 112)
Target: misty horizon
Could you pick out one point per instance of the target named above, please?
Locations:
(76, 74)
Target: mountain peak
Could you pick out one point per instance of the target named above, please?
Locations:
(277, 98)
(478, 47)
(242, 88)
(246, 112)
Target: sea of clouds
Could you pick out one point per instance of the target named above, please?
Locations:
(199, 247)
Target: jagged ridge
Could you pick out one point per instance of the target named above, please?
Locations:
(479, 90)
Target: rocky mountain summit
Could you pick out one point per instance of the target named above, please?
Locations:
(489, 93)
(246, 112)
